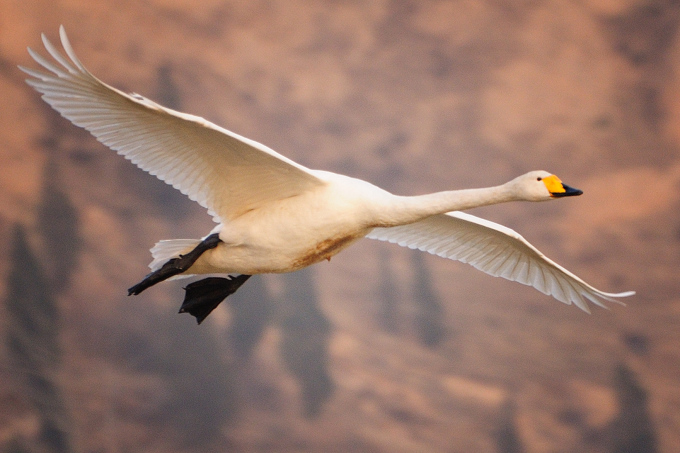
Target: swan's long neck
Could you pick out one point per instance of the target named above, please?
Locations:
(411, 209)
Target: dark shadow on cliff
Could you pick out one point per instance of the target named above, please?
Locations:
(305, 335)
(33, 347)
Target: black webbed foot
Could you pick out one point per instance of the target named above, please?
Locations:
(176, 266)
(203, 296)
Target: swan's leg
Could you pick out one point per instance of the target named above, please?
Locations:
(203, 296)
(176, 266)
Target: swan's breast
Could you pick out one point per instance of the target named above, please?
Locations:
(324, 250)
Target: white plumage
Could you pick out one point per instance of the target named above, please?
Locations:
(275, 215)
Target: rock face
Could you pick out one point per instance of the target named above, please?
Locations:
(378, 350)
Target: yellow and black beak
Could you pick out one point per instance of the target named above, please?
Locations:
(558, 189)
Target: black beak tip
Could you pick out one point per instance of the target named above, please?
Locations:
(568, 192)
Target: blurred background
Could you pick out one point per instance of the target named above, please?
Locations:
(382, 349)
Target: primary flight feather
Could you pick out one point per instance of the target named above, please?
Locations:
(275, 215)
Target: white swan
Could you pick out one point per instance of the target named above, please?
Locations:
(275, 215)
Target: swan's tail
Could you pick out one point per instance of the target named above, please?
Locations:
(170, 248)
(174, 265)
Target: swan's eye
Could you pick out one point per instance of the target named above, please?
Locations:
(539, 179)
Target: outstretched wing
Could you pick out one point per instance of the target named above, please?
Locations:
(224, 172)
(496, 250)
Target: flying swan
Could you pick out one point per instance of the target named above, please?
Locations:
(275, 215)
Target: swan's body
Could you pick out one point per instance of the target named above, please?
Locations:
(275, 215)
(297, 231)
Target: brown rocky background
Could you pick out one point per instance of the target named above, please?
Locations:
(383, 349)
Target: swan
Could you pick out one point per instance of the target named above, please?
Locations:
(274, 215)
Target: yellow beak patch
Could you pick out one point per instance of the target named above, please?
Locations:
(554, 184)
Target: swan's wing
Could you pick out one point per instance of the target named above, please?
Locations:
(496, 250)
(224, 172)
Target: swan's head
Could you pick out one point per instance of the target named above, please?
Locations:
(541, 185)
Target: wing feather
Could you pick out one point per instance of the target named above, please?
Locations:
(224, 172)
(496, 250)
